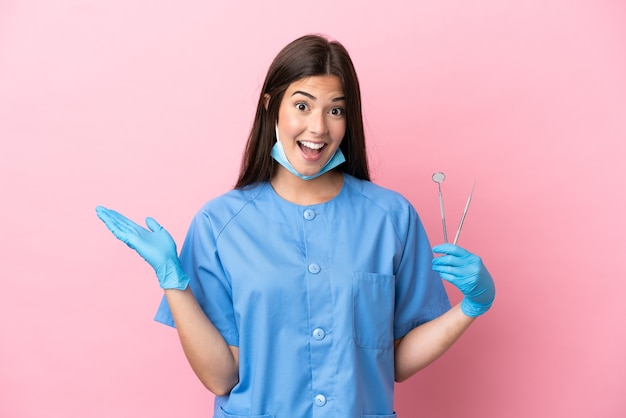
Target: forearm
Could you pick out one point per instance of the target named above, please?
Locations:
(214, 362)
(427, 342)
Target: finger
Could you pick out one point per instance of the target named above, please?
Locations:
(455, 261)
(102, 213)
(451, 249)
(105, 216)
(118, 229)
(122, 227)
(123, 222)
(449, 271)
(456, 281)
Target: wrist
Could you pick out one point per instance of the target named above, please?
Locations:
(172, 276)
(473, 309)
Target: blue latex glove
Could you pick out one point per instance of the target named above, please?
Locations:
(156, 246)
(468, 273)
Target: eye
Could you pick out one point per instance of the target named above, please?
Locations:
(301, 106)
(337, 111)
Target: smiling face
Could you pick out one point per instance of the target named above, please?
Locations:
(312, 122)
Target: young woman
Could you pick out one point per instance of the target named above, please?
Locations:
(307, 290)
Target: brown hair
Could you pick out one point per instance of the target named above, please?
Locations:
(310, 55)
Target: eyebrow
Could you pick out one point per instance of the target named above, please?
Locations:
(310, 96)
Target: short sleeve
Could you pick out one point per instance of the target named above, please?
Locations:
(420, 293)
(209, 283)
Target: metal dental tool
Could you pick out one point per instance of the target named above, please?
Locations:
(469, 199)
(438, 178)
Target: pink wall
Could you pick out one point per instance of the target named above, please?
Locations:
(144, 106)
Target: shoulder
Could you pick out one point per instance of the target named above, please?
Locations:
(386, 199)
(221, 210)
(384, 203)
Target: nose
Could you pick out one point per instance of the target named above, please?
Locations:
(317, 124)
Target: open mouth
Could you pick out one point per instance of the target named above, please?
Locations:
(311, 148)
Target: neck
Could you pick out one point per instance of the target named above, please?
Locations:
(307, 192)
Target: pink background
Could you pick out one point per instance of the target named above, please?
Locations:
(144, 106)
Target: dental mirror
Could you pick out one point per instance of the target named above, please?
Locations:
(438, 178)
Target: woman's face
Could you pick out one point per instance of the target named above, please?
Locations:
(312, 122)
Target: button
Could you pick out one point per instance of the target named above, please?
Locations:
(314, 268)
(320, 400)
(309, 214)
(319, 334)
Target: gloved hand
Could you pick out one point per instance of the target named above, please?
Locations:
(156, 246)
(468, 273)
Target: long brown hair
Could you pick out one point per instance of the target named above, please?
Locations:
(310, 55)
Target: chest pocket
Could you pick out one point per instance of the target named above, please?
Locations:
(223, 414)
(373, 306)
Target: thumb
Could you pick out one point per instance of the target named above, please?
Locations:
(153, 224)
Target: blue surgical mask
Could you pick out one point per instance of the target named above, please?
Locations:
(278, 153)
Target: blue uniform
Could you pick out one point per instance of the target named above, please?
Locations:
(313, 296)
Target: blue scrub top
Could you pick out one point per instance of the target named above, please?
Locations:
(313, 296)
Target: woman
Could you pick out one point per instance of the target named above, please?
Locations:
(307, 290)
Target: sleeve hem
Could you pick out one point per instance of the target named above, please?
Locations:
(401, 330)
(231, 339)
(165, 319)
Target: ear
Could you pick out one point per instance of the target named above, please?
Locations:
(266, 98)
